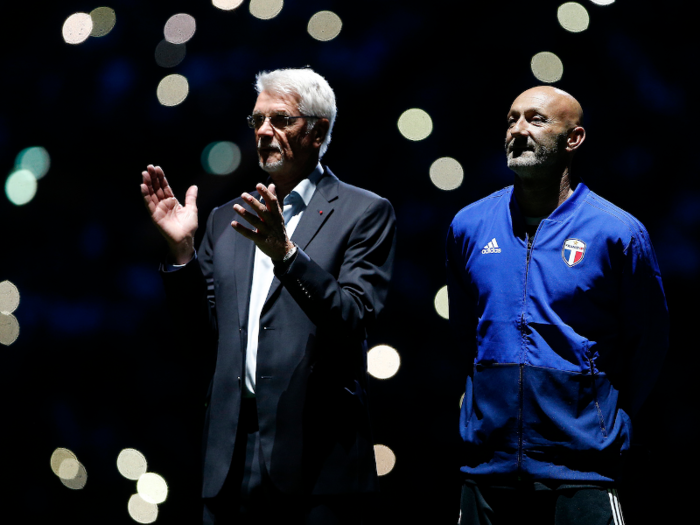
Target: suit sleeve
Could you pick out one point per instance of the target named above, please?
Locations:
(190, 292)
(645, 319)
(350, 303)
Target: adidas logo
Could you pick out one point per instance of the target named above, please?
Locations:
(491, 247)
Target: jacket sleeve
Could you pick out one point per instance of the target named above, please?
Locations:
(644, 318)
(462, 312)
(349, 304)
(189, 292)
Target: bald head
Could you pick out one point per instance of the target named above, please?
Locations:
(544, 131)
(557, 103)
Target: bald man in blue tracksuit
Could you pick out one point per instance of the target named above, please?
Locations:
(571, 330)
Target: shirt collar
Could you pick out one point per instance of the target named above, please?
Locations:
(305, 189)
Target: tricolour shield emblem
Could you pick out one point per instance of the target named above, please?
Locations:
(573, 251)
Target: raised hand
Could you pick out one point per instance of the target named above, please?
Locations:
(269, 235)
(175, 222)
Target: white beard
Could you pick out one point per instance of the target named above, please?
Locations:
(271, 167)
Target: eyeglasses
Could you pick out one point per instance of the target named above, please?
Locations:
(277, 121)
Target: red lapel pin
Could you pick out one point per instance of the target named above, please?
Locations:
(320, 212)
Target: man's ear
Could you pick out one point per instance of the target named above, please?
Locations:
(575, 138)
(320, 130)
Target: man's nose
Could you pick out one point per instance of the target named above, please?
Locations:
(520, 128)
(266, 129)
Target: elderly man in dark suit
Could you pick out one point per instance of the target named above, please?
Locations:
(287, 304)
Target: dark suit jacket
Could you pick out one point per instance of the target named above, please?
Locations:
(311, 366)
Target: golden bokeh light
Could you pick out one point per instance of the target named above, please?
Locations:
(170, 55)
(325, 26)
(70, 471)
(227, 5)
(547, 67)
(103, 20)
(179, 28)
(69, 468)
(142, 511)
(152, 488)
(573, 17)
(446, 173)
(20, 187)
(9, 329)
(442, 305)
(77, 28)
(383, 362)
(221, 158)
(58, 456)
(265, 9)
(35, 159)
(603, 2)
(385, 458)
(131, 464)
(9, 297)
(173, 90)
(415, 124)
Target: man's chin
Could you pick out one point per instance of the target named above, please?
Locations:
(271, 166)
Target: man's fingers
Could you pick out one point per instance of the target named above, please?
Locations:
(247, 233)
(258, 206)
(191, 197)
(270, 196)
(255, 221)
(163, 182)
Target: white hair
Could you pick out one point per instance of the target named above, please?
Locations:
(316, 98)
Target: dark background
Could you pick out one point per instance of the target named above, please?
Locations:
(98, 366)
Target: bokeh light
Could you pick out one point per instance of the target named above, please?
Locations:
(573, 17)
(20, 187)
(442, 305)
(415, 124)
(461, 400)
(72, 474)
(77, 28)
(9, 329)
(227, 5)
(603, 2)
(35, 159)
(324, 26)
(265, 9)
(66, 466)
(547, 67)
(142, 511)
(383, 362)
(173, 90)
(9, 297)
(57, 458)
(221, 158)
(152, 488)
(180, 28)
(170, 55)
(385, 458)
(131, 464)
(103, 20)
(446, 173)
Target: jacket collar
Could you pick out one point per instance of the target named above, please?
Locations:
(560, 214)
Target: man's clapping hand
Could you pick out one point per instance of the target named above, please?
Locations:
(175, 222)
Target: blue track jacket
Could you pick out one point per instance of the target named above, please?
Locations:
(570, 337)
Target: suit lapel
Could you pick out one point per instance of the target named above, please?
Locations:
(316, 214)
(242, 263)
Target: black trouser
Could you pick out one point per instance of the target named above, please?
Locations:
(483, 505)
(249, 497)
